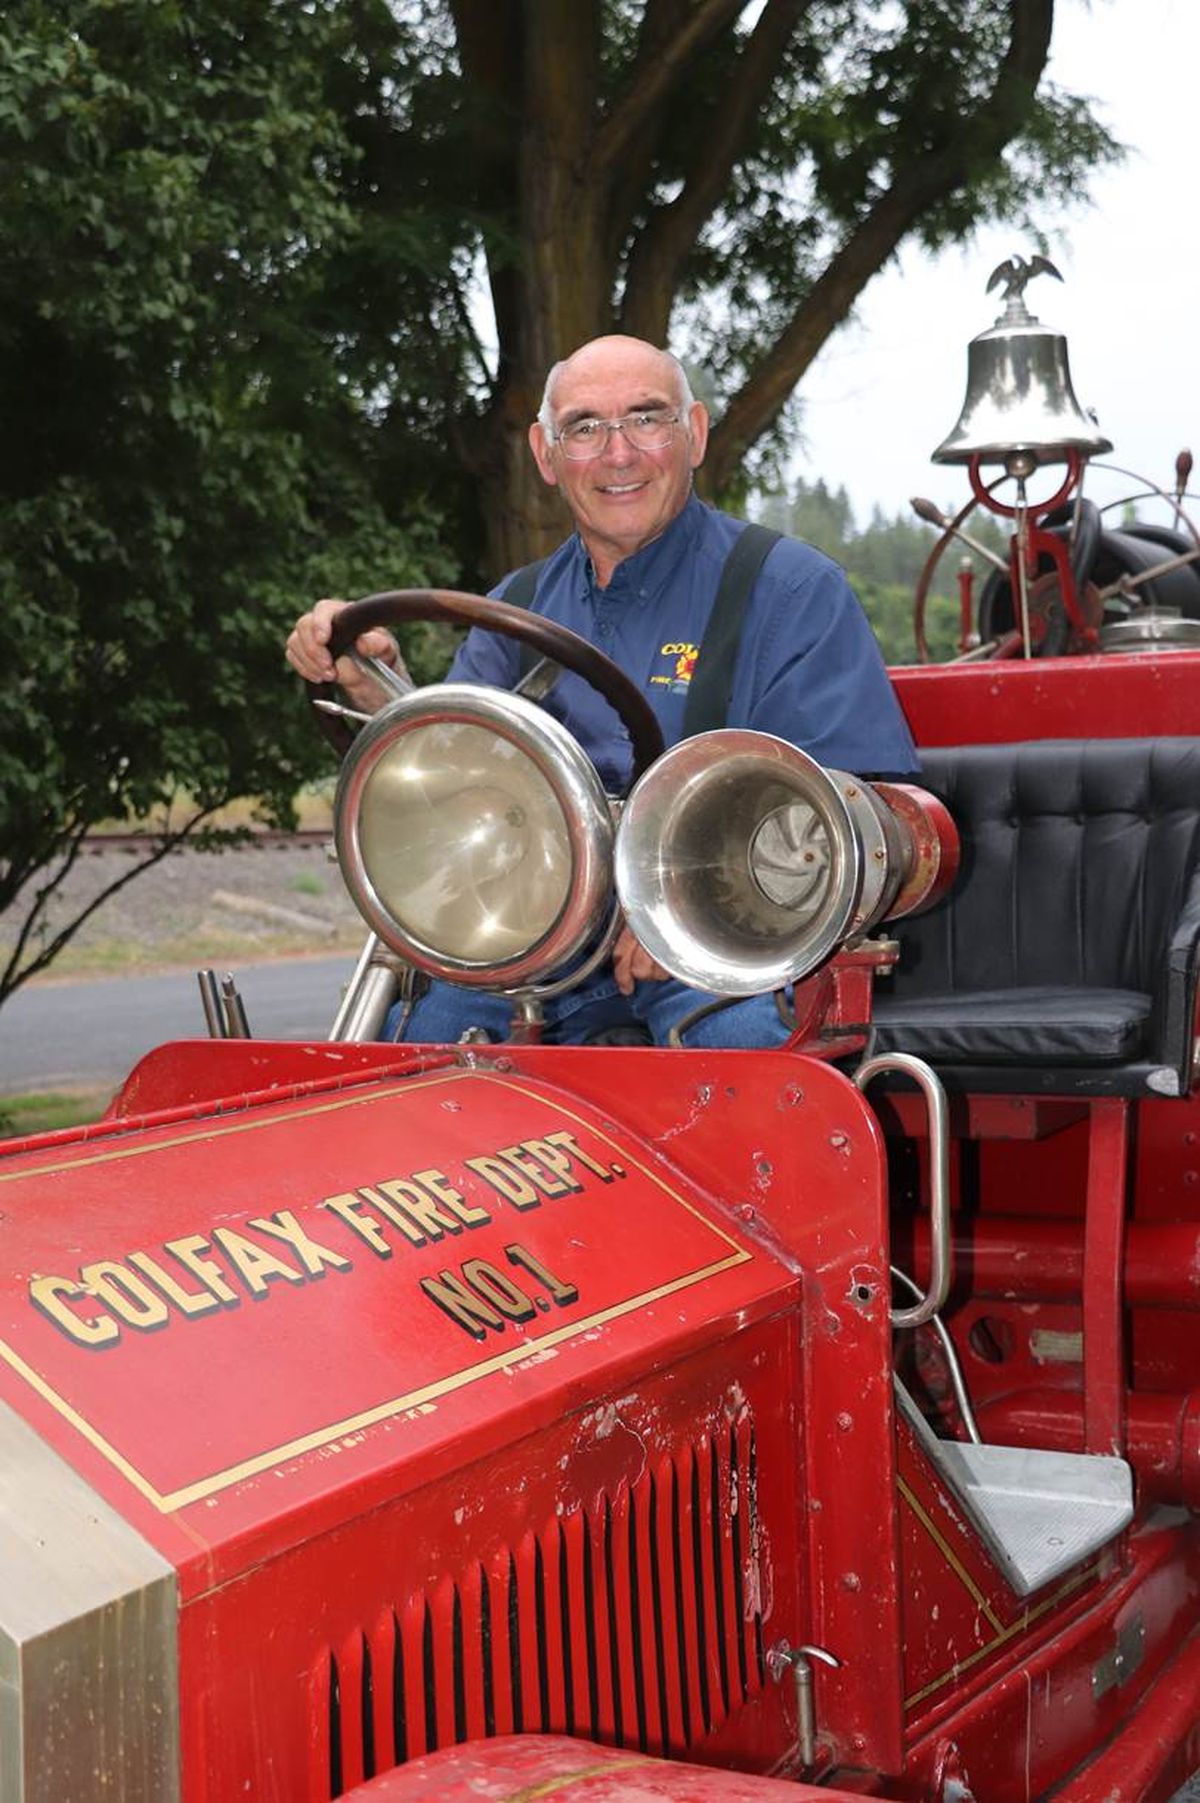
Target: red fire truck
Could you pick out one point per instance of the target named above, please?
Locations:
(513, 1421)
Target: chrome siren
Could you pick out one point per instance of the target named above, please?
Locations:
(742, 864)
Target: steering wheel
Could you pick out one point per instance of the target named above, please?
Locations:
(547, 638)
(1137, 566)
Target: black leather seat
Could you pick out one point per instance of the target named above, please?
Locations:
(1064, 961)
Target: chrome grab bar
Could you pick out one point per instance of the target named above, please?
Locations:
(940, 1263)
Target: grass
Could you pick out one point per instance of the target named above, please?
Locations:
(46, 1113)
(313, 803)
(113, 957)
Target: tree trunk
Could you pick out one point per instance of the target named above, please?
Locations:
(562, 309)
(563, 285)
(602, 246)
(524, 518)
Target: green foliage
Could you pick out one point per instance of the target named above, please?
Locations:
(889, 607)
(40, 1113)
(183, 465)
(244, 247)
(787, 140)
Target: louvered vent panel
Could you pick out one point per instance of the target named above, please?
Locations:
(638, 1624)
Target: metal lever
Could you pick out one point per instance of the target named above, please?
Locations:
(798, 1659)
(341, 713)
(539, 681)
(236, 1024)
(933, 516)
(224, 1009)
(380, 977)
(210, 1001)
(1125, 584)
(940, 1263)
(391, 681)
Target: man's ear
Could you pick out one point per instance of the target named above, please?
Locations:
(539, 444)
(697, 432)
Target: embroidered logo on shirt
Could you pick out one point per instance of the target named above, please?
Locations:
(683, 662)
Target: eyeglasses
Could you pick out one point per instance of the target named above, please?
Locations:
(649, 431)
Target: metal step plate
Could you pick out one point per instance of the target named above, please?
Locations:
(1038, 1513)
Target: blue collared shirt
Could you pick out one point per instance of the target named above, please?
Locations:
(808, 667)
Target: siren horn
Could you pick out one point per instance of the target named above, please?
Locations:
(742, 864)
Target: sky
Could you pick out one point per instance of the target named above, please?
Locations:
(890, 385)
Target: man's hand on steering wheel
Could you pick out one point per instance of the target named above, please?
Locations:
(347, 625)
(309, 655)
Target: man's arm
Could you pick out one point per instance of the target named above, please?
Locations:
(816, 677)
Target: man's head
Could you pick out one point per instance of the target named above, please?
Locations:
(624, 496)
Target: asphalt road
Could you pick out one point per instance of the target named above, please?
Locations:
(65, 1035)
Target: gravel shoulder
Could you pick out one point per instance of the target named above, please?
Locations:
(259, 900)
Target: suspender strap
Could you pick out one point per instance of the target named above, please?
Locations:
(710, 688)
(520, 593)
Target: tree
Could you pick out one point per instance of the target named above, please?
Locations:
(247, 244)
(726, 175)
(182, 457)
(813, 512)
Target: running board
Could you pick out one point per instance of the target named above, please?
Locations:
(1038, 1513)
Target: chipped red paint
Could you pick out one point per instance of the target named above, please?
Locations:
(509, 1414)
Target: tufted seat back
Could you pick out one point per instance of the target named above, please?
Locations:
(1068, 945)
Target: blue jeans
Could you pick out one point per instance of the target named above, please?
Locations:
(594, 1006)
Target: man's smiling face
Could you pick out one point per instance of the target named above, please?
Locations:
(623, 498)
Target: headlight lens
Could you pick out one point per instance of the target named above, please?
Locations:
(474, 835)
(465, 840)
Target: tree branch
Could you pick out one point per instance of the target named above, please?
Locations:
(631, 179)
(14, 972)
(490, 37)
(660, 253)
(919, 185)
(561, 208)
(659, 66)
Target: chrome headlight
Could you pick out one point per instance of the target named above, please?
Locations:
(474, 835)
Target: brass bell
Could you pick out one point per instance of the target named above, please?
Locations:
(1020, 409)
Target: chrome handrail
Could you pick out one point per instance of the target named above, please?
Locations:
(940, 1255)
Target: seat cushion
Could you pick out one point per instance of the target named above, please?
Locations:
(1078, 857)
(1039, 1026)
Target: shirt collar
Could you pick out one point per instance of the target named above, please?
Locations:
(645, 573)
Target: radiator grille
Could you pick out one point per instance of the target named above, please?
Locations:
(637, 1623)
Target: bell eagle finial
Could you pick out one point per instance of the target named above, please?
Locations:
(1017, 272)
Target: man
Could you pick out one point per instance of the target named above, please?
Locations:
(620, 435)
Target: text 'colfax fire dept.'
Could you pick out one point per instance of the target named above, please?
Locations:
(204, 1274)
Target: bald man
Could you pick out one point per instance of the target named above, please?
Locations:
(620, 435)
